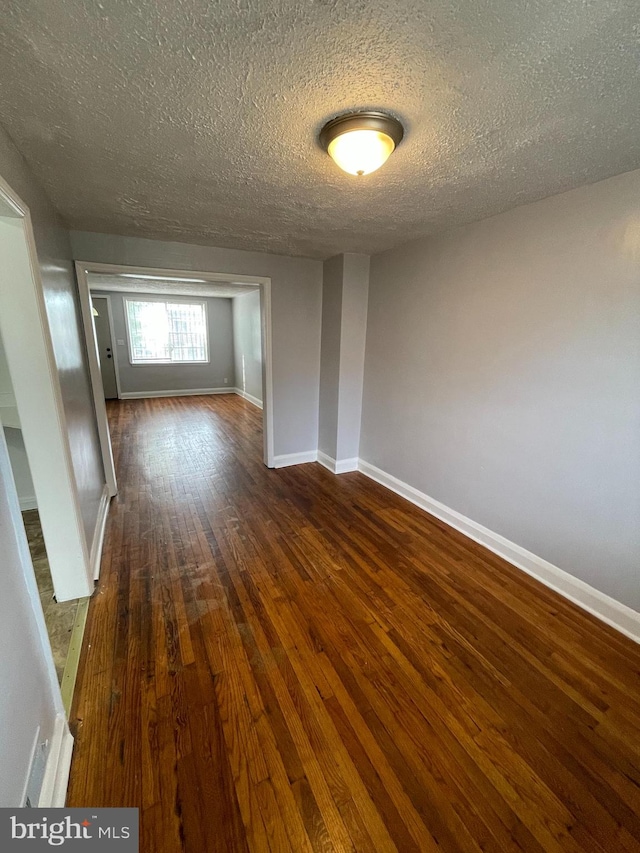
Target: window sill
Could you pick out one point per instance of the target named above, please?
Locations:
(165, 363)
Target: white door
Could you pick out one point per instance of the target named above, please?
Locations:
(105, 346)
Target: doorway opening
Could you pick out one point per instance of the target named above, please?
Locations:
(34, 429)
(162, 333)
(60, 616)
(105, 341)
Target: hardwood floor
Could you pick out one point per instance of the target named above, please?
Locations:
(293, 661)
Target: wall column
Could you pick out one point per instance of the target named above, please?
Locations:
(345, 292)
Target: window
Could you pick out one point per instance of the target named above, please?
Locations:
(167, 332)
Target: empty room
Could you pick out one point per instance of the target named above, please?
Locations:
(320, 326)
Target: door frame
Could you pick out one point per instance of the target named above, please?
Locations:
(84, 268)
(24, 325)
(114, 348)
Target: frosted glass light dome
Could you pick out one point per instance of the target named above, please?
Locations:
(359, 143)
(360, 152)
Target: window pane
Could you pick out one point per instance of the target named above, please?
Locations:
(167, 331)
(148, 331)
(188, 331)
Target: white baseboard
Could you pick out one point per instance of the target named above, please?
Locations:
(29, 502)
(184, 392)
(98, 533)
(343, 466)
(327, 462)
(295, 459)
(618, 615)
(56, 775)
(249, 397)
(337, 466)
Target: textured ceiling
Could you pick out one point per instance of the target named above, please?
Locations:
(197, 121)
(101, 281)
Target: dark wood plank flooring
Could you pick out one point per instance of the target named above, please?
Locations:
(292, 661)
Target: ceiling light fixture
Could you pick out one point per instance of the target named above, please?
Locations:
(359, 143)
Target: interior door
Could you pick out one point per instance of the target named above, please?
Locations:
(105, 347)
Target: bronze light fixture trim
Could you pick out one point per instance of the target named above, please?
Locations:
(360, 142)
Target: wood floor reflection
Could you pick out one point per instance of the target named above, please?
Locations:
(287, 660)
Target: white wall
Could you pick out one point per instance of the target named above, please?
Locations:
(296, 296)
(60, 293)
(29, 697)
(502, 377)
(145, 378)
(247, 344)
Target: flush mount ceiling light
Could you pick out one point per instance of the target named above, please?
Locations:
(361, 142)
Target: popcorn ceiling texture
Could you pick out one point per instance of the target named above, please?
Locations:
(197, 121)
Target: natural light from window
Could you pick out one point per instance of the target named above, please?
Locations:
(167, 332)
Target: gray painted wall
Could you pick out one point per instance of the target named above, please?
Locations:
(63, 310)
(330, 355)
(15, 443)
(177, 377)
(355, 293)
(6, 385)
(502, 377)
(247, 343)
(344, 325)
(296, 299)
(20, 468)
